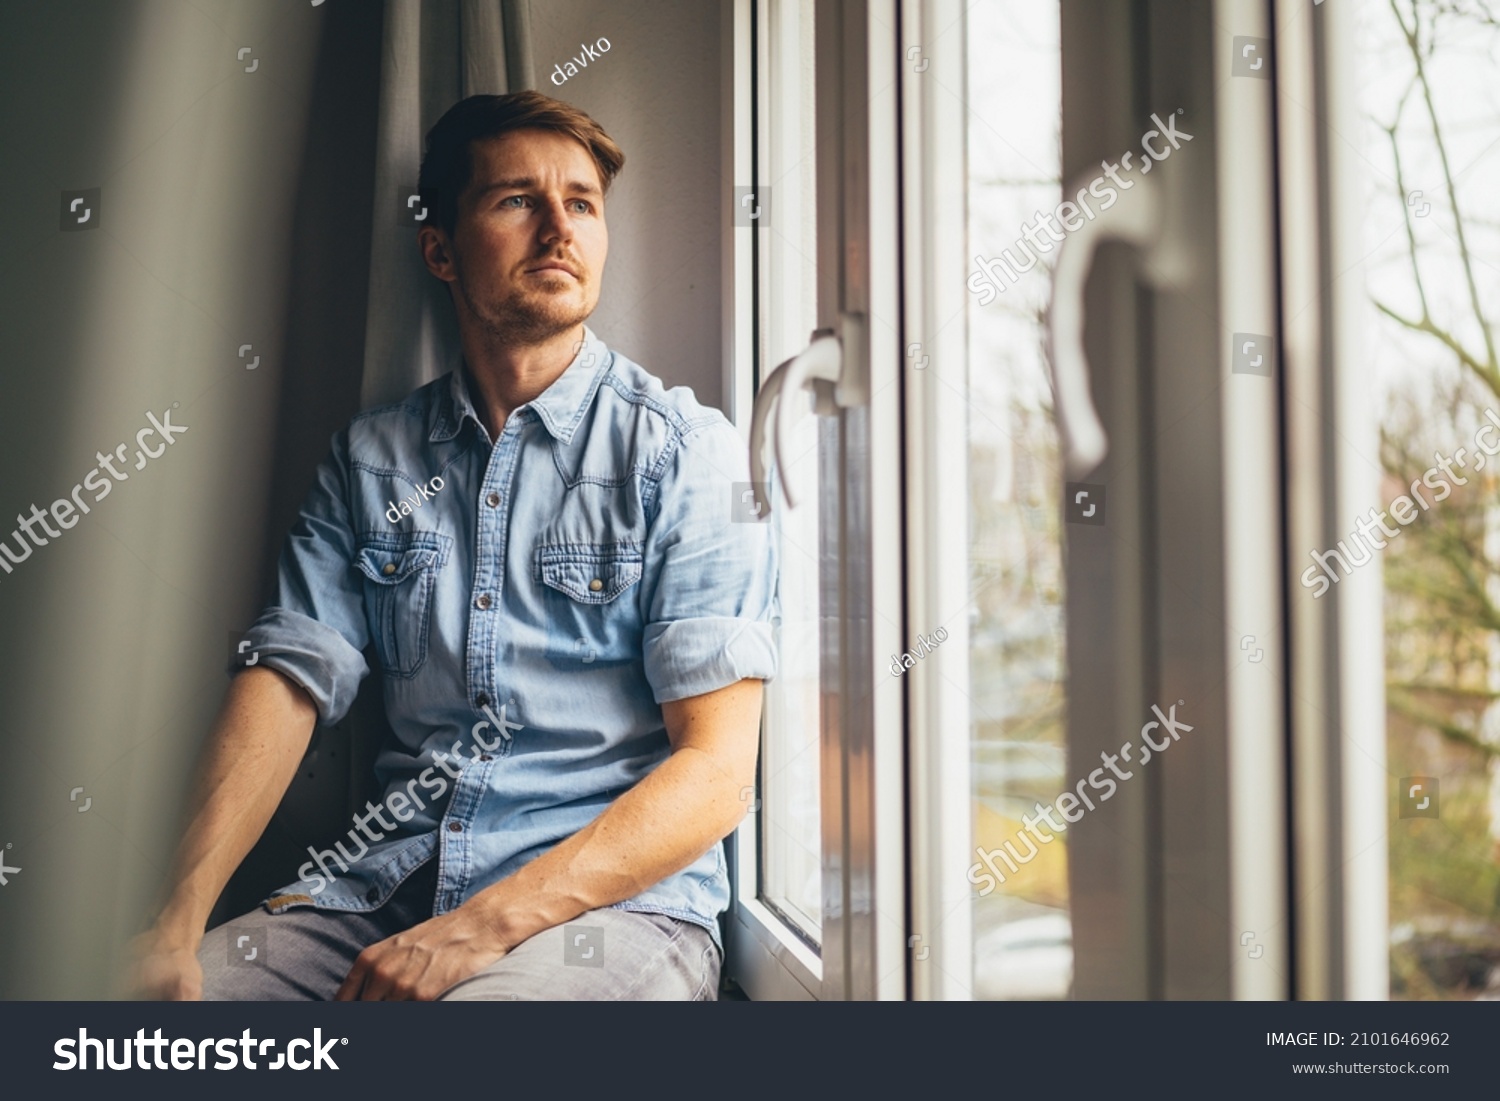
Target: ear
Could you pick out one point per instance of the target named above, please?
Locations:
(437, 252)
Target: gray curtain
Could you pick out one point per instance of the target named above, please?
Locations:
(433, 55)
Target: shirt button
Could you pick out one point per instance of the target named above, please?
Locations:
(493, 500)
(456, 827)
(483, 602)
(485, 757)
(595, 585)
(481, 700)
(372, 894)
(389, 568)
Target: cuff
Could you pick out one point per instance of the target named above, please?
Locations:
(689, 657)
(312, 654)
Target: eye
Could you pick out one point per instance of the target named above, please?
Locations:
(509, 198)
(582, 206)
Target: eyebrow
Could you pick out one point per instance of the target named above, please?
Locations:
(529, 183)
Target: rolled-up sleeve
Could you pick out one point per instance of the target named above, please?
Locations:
(711, 583)
(316, 630)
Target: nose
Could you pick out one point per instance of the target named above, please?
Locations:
(557, 225)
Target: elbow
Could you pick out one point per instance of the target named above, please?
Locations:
(746, 801)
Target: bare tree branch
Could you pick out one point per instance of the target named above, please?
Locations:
(1489, 375)
(1403, 704)
(1442, 148)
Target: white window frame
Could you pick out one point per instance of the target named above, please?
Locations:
(935, 228)
(862, 770)
(766, 956)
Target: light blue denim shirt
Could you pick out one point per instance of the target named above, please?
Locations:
(532, 601)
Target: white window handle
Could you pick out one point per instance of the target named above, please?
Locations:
(832, 372)
(1135, 219)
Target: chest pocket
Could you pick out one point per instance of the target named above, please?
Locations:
(401, 572)
(590, 590)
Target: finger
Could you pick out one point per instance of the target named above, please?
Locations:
(378, 987)
(349, 990)
(372, 982)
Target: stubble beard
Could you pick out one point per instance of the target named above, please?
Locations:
(525, 319)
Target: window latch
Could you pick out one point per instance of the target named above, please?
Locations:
(831, 367)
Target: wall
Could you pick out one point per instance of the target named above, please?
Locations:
(657, 92)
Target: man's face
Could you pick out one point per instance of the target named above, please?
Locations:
(527, 251)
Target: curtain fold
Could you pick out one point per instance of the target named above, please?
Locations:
(481, 28)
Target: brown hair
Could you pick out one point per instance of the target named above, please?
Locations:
(448, 164)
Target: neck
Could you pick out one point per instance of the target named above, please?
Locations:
(504, 376)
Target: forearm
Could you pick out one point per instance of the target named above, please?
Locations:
(660, 826)
(259, 738)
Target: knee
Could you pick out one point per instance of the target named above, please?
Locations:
(220, 980)
(234, 958)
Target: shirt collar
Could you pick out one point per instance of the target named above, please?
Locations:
(560, 407)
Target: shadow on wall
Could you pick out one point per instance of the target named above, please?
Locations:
(326, 297)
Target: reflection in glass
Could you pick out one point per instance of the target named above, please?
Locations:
(1022, 930)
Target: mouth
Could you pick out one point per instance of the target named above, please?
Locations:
(552, 265)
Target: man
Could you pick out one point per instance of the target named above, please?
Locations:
(572, 635)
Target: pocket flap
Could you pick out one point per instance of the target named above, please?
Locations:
(590, 574)
(390, 560)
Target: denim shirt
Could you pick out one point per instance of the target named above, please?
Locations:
(532, 601)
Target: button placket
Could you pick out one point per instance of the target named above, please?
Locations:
(454, 834)
(490, 535)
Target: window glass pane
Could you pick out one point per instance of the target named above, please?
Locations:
(1432, 273)
(791, 844)
(1022, 928)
